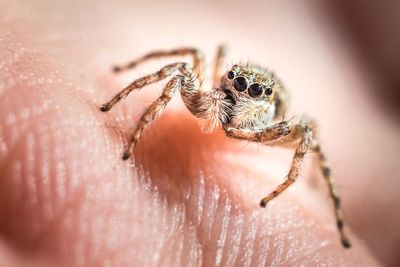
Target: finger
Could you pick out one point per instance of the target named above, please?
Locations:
(66, 196)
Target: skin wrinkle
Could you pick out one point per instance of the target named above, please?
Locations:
(305, 255)
(201, 195)
(168, 242)
(222, 232)
(262, 241)
(215, 185)
(265, 242)
(249, 240)
(234, 242)
(45, 159)
(61, 216)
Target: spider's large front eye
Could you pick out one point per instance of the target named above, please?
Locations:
(255, 90)
(240, 84)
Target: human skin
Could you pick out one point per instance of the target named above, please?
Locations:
(67, 198)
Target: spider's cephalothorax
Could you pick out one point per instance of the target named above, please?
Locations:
(248, 97)
(249, 103)
(253, 92)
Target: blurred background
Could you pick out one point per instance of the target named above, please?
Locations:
(339, 59)
(371, 29)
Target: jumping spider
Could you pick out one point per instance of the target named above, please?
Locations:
(246, 101)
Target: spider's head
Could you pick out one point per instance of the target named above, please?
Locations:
(251, 82)
(251, 90)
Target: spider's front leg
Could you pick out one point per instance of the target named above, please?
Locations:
(155, 108)
(300, 132)
(304, 133)
(185, 77)
(271, 133)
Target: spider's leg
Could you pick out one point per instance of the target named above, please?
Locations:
(297, 131)
(197, 56)
(305, 131)
(218, 61)
(271, 133)
(155, 108)
(141, 82)
(279, 134)
(326, 171)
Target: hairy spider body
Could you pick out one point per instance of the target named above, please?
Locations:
(249, 103)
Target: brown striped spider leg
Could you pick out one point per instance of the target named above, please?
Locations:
(301, 137)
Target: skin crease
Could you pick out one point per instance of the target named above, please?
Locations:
(66, 197)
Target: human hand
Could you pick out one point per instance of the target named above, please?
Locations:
(66, 197)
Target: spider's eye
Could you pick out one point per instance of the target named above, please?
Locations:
(231, 75)
(255, 90)
(268, 90)
(240, 84)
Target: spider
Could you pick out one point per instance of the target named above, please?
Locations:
(248, 101)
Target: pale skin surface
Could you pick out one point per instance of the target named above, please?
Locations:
(67, 197)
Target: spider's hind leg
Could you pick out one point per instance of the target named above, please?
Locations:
(333, 192)
(197, 57)
(305, 132)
